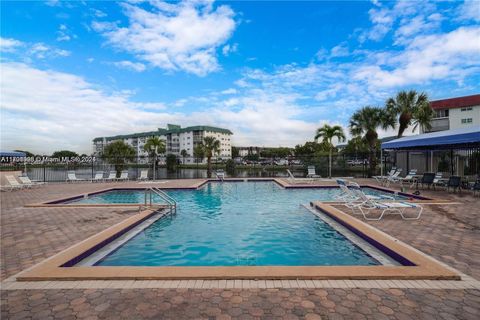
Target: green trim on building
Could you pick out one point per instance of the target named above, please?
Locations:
(161, 132)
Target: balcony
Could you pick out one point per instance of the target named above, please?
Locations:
(439, 124)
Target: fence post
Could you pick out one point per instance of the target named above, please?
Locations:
(44, 172)
(92, 168)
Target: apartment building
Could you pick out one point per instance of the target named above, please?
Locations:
(455, 113)
(176, 139)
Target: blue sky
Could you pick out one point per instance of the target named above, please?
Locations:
(272, 72)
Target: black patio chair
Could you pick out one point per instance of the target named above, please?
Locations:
(476, 187)
(426, 179)
(454, 182)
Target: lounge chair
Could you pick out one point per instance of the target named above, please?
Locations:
(454, 182)
(380, 179)
(351, 199)
(409, 178)
(98, 176)
(29, 183)
(13, 184)
(112, 176)
(143, 175)
(396, 207)
(426, 179)
(393, 178)
(123, 176)
(292, 179)
(312, 173)
(220, 174)
(439, 180)
(71, 177)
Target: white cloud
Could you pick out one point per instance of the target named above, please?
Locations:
(43, 51)
(227, 49)
(9, 44)
(229, 91)
(339, 51)
(135, 66)
(64, 34)
(183, 36)
(469, 10)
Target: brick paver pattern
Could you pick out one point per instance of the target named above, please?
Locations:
(449, 233)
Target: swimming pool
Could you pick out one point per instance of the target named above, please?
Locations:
(236, 224)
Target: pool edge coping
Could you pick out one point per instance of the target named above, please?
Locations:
(425, 268)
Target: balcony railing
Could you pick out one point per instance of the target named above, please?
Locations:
(439, 124)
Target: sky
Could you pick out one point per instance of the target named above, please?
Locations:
(272, 72)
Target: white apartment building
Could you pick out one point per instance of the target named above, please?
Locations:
(176, 139)
(455, 113)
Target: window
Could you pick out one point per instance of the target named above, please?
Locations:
(467, 120)
(441, 113)
(466, 109)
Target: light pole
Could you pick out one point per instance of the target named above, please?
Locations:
(154, 163)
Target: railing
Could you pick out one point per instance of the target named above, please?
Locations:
(171, 202)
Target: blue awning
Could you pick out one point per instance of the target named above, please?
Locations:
(12, 154)
(464, 137)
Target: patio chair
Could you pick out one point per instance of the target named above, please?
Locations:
(439, 180)
(98, 176)
(312, 173)
(112, 176)
(123, 176)
(396, 207)
(426, 179)
(29, 183)
(143, 175)
(454, 182)
(13, 184)
(71, 177)
(389, 174)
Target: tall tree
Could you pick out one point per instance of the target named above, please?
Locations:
(365, 122)
(422, 117)
(327, 133)
(154, 146)
(405, 106)
(184, 154)
(118, 153)
(211, 146)
(198, 152)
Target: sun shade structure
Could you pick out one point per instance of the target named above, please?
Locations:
(464, 137)
(12, 154)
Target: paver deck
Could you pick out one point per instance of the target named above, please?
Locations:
(449, 233)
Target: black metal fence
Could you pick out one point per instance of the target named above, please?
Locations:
(189, 167)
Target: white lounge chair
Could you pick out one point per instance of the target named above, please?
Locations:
(143, 175)
(393, 178)
(13, 184)
(71, 177)
(312, 173)
(112, 176)
(29, 183)
(396, 207)
(123, 176)
(409, 178)
(380, 179)
(220, 174)
(351, 199)
(292, 179)
(98, 176)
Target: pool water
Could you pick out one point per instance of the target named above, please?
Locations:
(230, 224)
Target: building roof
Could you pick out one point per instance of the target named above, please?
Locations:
(161, 132)
(459, 102)
(16, 154)
(469, 136)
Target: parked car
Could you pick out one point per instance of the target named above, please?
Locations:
(281, 162)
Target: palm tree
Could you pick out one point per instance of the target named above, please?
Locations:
(154, 146)
(198, 152)
(184, 154)
(327, 133)
(118, 153)
(210, 147)
(405, 105)
(365, 122)
(423, 117)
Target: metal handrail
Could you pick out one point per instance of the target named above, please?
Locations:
(172, 203)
